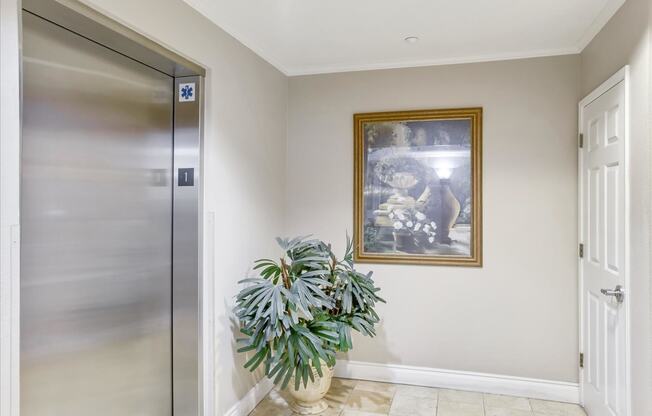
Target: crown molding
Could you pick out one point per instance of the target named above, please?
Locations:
(329, 69)
(607, 12)
(609, 9)
(238, 37)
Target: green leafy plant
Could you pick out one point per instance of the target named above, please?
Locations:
(301, 310)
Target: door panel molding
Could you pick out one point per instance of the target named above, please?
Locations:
(608, 257)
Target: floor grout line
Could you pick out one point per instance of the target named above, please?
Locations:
(279, 409)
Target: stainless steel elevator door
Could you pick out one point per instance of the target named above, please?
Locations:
(96, 213)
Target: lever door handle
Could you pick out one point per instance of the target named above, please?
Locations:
(618, 293)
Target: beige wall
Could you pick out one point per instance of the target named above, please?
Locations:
(518, 314)
(244, 158)
(626, 40)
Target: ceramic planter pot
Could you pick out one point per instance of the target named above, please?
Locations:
(309, 400)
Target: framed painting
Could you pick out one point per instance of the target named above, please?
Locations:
(418, 187)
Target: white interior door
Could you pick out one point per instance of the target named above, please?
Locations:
(603, 266)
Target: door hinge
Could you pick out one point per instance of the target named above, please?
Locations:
(581, 140)
(581, 251)
(581, 360)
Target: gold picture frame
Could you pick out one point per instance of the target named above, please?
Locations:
(410, 169)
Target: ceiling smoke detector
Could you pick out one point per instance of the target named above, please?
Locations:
(411, 39)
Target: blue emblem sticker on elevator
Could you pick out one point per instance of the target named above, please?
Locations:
(186, 92)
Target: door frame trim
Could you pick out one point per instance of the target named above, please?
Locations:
(10, 132)
(623, 75)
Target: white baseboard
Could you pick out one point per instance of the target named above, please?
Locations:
(430, 377)
(247, 404)
(460, 380)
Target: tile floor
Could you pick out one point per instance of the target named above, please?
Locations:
(366, 398)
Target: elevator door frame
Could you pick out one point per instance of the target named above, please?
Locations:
(192, 384)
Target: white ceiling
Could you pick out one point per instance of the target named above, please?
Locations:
(318, 36)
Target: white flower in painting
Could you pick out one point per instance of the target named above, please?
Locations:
(398, 225)
(434, 226)
(400, 215)
(420, 216)
(409, 223)
(391, 215)
(417, 226)
(426, 228)
(431, 239)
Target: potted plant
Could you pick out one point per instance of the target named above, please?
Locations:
(300, 312)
